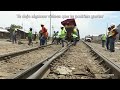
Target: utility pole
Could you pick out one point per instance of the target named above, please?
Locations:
(50, 23)
(107, 29)
(52, 29)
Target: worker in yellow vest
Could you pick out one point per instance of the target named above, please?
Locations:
(112, 36)
(103, 40)
(74, 36)
(62, 35)
(30, 37)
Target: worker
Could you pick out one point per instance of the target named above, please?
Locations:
(112, 37)
(36, 37)
(107, 39)
(14, 34)
(103, 40)
(58, 38)
(62, 35)
(74, 36)
(30, 37)
(43, 37)
(54, 37)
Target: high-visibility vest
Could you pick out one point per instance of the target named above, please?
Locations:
(113, 32)
(74, 35)
(62, 33)
(75, 31)
(103, 37)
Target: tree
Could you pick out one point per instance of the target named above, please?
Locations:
(13, 26)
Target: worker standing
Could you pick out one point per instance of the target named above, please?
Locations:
(30, 37)
(112, 37)
(103, 40)
(62, 35)
(14, 34)
(54, 37)
(43, 37)
(108, 39)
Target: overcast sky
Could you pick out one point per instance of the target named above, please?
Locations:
(88, 22)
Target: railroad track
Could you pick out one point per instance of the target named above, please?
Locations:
(39, 70)
(13, 54)
(42, 69)
(111, 67)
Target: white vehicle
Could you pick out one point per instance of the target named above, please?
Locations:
(88, 39)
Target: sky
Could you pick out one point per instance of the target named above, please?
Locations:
(88, 22)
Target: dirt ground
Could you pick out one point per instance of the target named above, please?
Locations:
(77, 63)
(19, 63)
(6, 47)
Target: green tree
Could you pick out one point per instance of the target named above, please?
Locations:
(13, 26)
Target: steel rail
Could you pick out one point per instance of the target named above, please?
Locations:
(113, 67)
(12, 54)
(37, 70)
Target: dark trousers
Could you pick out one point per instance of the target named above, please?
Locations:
(103, 43)
(108, 43)
(112, 44)
(42, 41)
(62, 41)
(74, 41)
(53, 40)
(29, 40)
(14, 39)
(58, 41)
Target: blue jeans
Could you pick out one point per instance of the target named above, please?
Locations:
(112, 44)
(42, 41)
(103, 43)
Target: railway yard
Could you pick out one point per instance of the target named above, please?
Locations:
(84, 61)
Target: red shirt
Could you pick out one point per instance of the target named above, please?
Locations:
(44, 30)
(46, 34)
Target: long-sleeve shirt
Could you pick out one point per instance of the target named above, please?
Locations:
(30, 34)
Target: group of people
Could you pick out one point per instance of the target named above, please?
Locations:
(43, 36)
(110, 38)
(60, 37)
